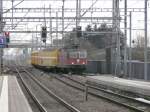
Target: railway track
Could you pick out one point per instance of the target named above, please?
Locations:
(119, 99)
(62, 102)
(76, 97)
(36, 101)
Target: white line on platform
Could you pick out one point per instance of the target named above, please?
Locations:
(4, 95)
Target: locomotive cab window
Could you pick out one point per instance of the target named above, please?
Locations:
(73, 54)
(82, 54)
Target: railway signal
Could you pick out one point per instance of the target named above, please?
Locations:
(7, 38)
(7, 35)
(79, 31)
(44, 34)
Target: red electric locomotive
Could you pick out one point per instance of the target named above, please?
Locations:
(74, 60)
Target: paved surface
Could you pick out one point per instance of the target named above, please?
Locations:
(12, 98)
(4, 95)
(1, 82)
(135, 86)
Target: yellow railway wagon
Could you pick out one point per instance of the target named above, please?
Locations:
(48, 58)
(34, 58)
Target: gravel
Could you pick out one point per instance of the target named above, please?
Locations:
(30, 101)
(48, 102)
(76, 97)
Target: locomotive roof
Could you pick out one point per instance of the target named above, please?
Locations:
(67, 49)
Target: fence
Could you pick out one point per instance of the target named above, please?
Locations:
(137, 69)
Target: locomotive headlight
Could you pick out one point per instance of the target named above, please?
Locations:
(78, 60)
(72, 63)
(83, 63)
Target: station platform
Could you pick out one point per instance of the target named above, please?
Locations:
(12, 98)
(133, 86)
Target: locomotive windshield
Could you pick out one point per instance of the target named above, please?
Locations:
(77, 54)
(73, 54)
(82, 54)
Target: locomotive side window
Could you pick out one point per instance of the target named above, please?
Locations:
(82, 54)
(73, 55)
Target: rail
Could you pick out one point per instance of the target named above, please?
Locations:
(37, 102)
(122, 97)
(63, 102)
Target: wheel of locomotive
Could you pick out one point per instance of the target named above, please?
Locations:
(51, 70)
(63, 70)
(58, 70)
(55, 70)
(66, 70)
(78, 71)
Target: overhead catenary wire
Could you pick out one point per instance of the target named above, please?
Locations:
(13, 6)
(83, 13)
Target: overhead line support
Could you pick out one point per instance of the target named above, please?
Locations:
(125, 38)
(145, 45)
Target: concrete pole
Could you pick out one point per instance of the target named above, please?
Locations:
(36, 38)
(145, 45)
(78, 10)
(50, 25)
(113, 38)
(116, 28)
(125, 37)
(1, 15)
(32, 43)
(12, 13)
(63, 19)
(130, 51)
(44, 17)
(1, 30)
(118, 36)
(57, 28)
(45, 22)
(92, 13)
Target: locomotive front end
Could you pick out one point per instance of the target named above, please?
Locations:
(77, 60)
